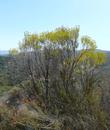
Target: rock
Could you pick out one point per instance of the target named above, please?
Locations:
(26, 115)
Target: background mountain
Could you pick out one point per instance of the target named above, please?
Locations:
(4, 52)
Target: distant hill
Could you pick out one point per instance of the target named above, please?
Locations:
(4, 52)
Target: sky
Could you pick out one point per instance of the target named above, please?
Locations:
(19, 16)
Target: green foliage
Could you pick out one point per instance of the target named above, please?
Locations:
(4, 79)
(88, 43)
(13, 52)
(58, 36)
(4, 89)
(30, 41)
(95, 58)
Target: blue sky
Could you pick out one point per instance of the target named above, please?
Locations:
(19, 16)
